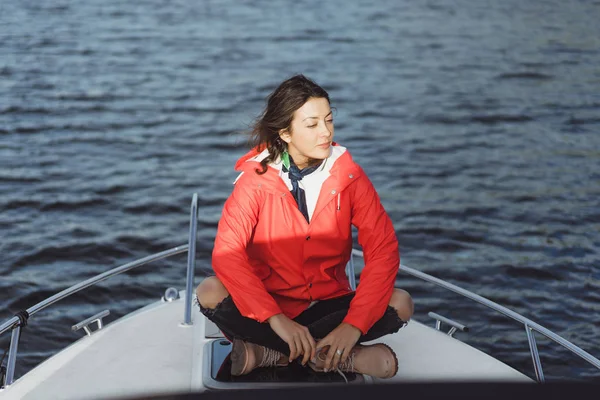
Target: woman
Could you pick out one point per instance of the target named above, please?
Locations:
(280, 292)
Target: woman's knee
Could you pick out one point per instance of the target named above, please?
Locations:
(211, 292)
(402, 303)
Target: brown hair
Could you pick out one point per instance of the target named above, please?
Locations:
(289, 96)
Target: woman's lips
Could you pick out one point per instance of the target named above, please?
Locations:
(324, 145)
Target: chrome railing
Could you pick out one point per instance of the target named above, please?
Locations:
(191, 261)
(530, 326)
(11, 323)
(14, 323)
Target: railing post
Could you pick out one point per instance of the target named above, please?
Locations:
(12, 355)
(191, 262)
(537, 364)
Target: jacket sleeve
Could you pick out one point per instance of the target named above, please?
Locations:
(229, 257)
(377, 237)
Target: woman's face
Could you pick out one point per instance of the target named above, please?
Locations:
(311, 132)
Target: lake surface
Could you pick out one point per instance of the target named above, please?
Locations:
(476, 121)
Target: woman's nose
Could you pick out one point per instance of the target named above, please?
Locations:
(326, 131)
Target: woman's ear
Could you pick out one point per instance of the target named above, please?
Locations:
(284, 134)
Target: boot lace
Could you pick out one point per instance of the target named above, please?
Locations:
(347, 366)
(270, 357)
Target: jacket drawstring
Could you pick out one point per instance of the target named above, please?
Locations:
(338, 207)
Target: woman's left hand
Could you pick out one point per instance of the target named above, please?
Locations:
(341, 340)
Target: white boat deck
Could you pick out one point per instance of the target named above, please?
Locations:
(150, 352)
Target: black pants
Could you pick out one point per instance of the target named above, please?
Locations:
(320, 319)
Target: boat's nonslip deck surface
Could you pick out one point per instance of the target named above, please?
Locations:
(425, 354)
(146, 353)
(151, 353)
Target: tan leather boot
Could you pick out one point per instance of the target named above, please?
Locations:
(377, 360)
(246, 356)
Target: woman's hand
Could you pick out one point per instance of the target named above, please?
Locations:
(295, 335)
(342, 338)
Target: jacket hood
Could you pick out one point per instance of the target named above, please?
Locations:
(248, 156)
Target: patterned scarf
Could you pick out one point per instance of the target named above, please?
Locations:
(296, 174)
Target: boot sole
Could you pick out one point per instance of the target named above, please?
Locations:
(239, 359)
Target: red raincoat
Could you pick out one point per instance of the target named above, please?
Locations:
(272, 261)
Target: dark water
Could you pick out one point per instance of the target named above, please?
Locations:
(477, 122)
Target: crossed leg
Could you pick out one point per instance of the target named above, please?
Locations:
(211, 292)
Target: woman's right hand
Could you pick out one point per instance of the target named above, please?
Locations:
(295, 335)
